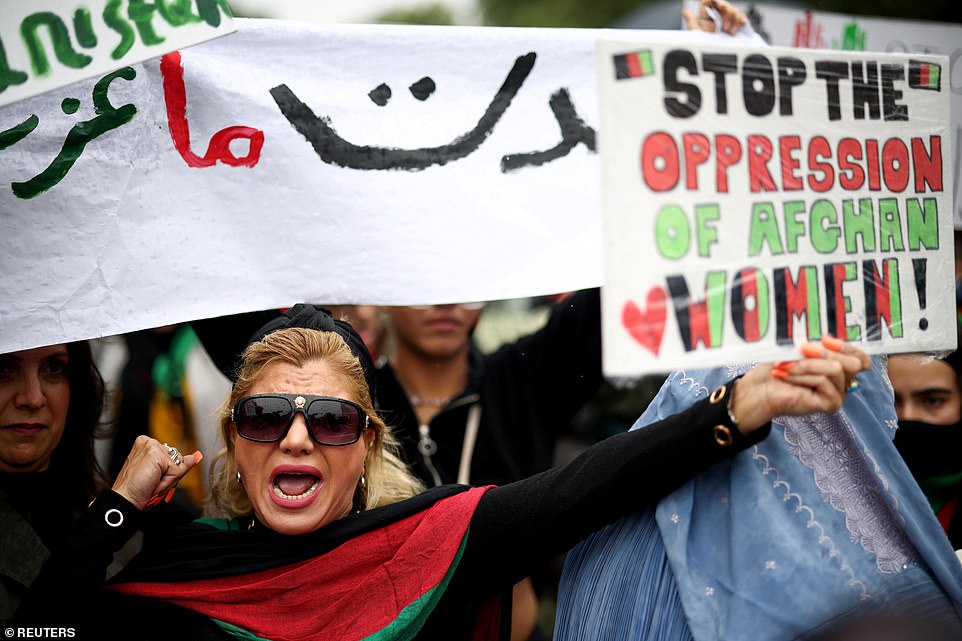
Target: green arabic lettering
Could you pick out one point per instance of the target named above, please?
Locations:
(108, 117)
(18, 132)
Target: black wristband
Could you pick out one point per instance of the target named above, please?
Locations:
(114, 514)
(726, 433)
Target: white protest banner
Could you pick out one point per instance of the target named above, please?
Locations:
(786, 27)
(47, 44)
(288, 162)
(758, 198)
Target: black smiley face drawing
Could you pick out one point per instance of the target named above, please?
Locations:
(334, 149)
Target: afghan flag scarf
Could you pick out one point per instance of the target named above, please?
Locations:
(257, 584)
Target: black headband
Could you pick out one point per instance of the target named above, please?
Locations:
(317, 318)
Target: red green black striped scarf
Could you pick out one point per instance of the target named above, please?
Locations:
(379, 584)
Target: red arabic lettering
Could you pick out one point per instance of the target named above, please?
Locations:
(175, 97)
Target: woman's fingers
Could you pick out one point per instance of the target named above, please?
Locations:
(818, 382)
(701, 22)
(810, 385)
(767, 391)
(852, 358)
(152, 469)
(828, 369)
(732, 18)
(812, 392)
(174, 471)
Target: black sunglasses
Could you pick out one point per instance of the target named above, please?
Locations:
(266, 418)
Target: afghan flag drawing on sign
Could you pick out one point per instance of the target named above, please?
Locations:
(633, 65)
(925, 75)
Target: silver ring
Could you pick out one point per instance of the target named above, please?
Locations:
(174, 454)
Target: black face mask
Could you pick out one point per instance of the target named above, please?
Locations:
(930, 450)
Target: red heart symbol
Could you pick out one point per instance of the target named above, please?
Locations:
(647, 327)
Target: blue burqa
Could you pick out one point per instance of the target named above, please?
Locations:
(819, 520)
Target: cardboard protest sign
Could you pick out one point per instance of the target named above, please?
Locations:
(758, 198)
(788, 27)
(288, 163)
(46, 44)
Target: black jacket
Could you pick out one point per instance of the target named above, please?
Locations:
(527, 392)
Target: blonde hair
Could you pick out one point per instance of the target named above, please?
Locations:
(388, 479)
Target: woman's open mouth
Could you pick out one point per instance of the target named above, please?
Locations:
(295, 487)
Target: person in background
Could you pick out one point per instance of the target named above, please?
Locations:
(370, 322)
(317, 504)
(469, 417)
(50, 403)
(928, 401)
(926, 387)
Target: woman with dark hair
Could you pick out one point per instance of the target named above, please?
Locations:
(928, 401)
(50, 403)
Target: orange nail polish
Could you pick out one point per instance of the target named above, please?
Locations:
(785, 365)
(812, 350)
(780, 373)
(832, 343)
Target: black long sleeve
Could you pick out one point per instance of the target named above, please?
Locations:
(539, 517)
